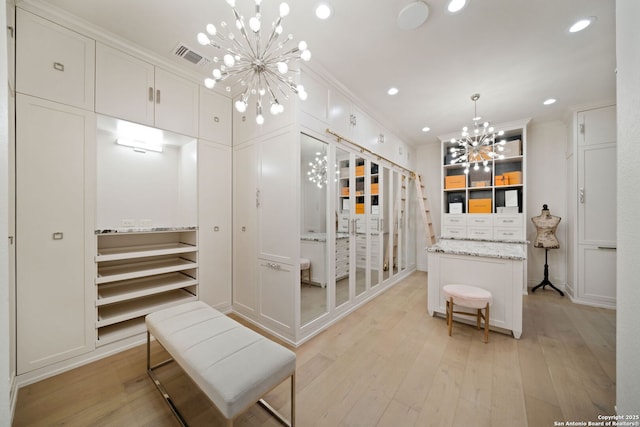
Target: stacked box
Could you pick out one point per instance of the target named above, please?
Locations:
(455, 181)
(514, 177)
(479, 205)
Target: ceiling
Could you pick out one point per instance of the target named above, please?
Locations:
(515, 53)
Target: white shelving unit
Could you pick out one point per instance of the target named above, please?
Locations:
(141, 272)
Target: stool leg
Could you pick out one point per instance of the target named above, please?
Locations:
(450, 315)
(486, 324)
(478, 317)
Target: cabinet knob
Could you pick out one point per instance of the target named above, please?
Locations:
(58, 235)
(58, 66)
(216, 228)
(243, 228)
(216, 119)
(150, 94)
(158, 96)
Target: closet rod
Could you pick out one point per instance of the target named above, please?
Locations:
(361, 148)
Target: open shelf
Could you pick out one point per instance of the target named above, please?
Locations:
(130, 252)
(121, 330)
(110, 293)
(134, 270)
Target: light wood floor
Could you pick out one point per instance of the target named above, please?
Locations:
(387, 364)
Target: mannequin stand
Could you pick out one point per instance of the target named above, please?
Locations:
(546, 281)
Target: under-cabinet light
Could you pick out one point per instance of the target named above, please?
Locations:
(139, 146)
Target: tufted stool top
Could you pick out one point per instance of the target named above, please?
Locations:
(305, 263)
(468, 296)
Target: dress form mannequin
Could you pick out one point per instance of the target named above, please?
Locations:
(546, 225)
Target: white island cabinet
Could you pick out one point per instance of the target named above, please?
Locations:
(495, 266)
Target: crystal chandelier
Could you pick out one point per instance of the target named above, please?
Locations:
(477, 146)
(318, 172)
(261, 67)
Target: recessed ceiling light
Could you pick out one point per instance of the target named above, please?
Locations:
(393, 91)
(549, 101)
(582, 24)
(324, 11)
(426, 129)
(455, 6)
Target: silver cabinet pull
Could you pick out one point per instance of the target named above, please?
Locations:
(257, 197)
(58, 66)
(581, 192)
(150, 94)
(158, 96)
(611, 248)
(216, 228)
(243, 228)
(274, 266)
(11, 240)
(216, 119)
(58, 235)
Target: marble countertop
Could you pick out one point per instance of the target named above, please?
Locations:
(491, 249)
(321, 237)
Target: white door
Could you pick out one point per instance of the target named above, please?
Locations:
(597, 206)
(245, 232)
(214, 224)
(53, 290)
(177, 103)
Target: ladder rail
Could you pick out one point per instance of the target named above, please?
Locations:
(425, 211)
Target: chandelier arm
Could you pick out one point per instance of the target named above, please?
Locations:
(243, 31)
(277, 80)
(274, 35)
(282, 80)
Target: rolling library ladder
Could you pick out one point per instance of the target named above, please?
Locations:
(425, 212)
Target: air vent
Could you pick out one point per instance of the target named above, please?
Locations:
(185, 52)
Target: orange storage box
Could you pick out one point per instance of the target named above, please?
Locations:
(514, 177)
(359, 170)
(374, 189)
(501, 180)
(455, 181)
(479, 205)
(345, 191)
(359, 208)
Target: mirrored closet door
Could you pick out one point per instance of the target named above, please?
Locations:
(314, 181)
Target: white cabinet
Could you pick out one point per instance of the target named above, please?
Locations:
(342, 256)
(53, 62)
(139, 273)
(596, 206)
(54, 231)
(348, 120)
(214, 224)
(131, 89)
(214, 123)
(487, 205)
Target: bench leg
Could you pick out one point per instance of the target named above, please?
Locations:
(282, 420)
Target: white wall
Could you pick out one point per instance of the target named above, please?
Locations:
(628, 269)
(547, 184)
(5, 348)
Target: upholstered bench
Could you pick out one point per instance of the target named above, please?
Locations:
(233, 365)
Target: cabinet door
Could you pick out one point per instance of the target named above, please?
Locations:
(215, 117)
(278, 198)
(214, 224)
(340, 117)
(53, 62)
(176, 106)
(124, 86)
(245, 188)
(53, 236)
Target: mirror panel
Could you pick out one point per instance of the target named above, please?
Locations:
(375, 230)
(361, 224)
(344, 204)
(313, 229)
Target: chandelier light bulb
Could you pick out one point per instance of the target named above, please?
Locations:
(274, 109)
(260, 119)
(283, 68)
(254, 24)
(229, 60)
(231, 3)
(305, 55)
(211, 29)
(241, 106)
(284, 9)
(209, 83)
(302, 45)
(203, 39)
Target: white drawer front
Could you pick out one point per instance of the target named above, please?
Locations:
(455, 220)
(480, 220)
(455, 231)
(480, 232)
(505, 233)
(508, 220)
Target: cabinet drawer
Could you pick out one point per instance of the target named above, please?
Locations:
(506, 233)
(454, 219)
(480, 220)
(451, 231)
(502, 220)
(480, 232)
(53, 62)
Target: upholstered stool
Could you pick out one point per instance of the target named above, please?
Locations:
(305, 265)
(469, 297)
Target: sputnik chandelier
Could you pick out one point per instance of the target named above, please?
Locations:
(318, 172)
(262, 68)
(477, 146)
